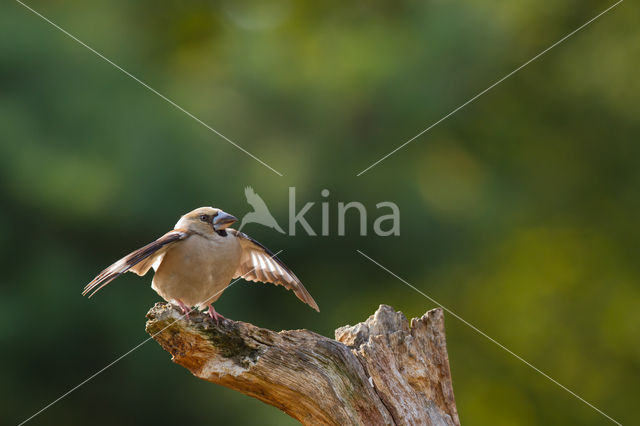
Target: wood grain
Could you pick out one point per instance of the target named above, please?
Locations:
(383, 371)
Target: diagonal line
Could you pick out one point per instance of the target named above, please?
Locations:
(491, 87)
(150, 88)
(131, 350)
(500, 345)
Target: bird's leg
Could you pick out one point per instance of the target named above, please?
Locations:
(213, 314)
(185, 309)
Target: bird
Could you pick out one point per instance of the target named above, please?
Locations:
(260, 213)
(194, 263)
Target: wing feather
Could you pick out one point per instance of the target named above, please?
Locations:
(139, 261)
(258, 263)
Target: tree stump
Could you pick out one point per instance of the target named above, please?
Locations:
(379, 372)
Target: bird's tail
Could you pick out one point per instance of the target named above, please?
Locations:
(277, 227)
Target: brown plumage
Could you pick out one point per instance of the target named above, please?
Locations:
(195, 262)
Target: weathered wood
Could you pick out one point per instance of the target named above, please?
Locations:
(378, 372)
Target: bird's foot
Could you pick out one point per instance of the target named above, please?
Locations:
(213, 314)
(184, 308)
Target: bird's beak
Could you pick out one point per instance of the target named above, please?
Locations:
(223, 220)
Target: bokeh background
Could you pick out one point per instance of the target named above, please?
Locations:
(519, 213)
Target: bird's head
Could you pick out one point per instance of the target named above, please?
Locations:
(206, 220)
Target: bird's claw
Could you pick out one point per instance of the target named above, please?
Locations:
(214, 315)
(184, 308)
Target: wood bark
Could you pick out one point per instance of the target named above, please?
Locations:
(383, 371)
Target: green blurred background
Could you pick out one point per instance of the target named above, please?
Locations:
(519, 212)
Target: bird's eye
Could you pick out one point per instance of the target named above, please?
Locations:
(204, 218)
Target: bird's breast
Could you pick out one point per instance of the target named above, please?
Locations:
(196, 268)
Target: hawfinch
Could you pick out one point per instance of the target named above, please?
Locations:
(195, 262)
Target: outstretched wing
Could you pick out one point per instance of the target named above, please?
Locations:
(140, 261)
(255, 200)
(259, 264)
